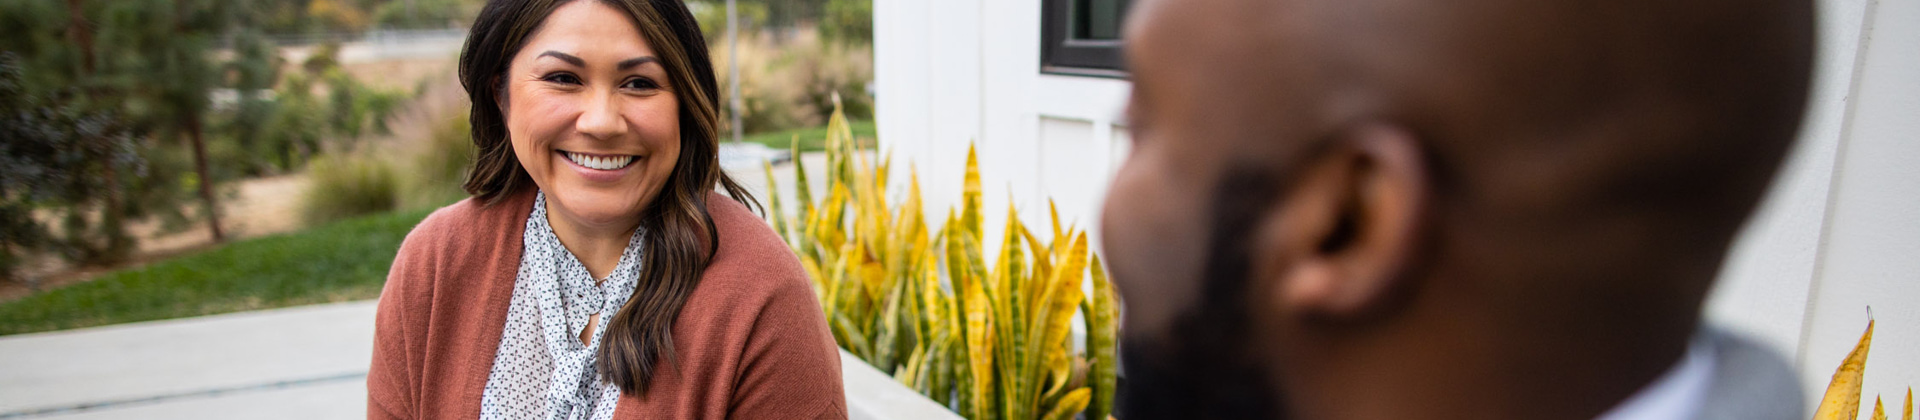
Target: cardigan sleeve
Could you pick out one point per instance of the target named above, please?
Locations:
(391, 393)
(791, 366)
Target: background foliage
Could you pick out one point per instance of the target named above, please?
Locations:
(130, 110)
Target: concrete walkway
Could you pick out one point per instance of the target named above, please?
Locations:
(306, 362)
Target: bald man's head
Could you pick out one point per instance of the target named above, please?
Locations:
(1308, 176)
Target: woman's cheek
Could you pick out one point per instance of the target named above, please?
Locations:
(535, 119)
(659, 124)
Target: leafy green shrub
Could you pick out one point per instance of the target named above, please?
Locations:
(343, 186)
(425, 14)
(355, 109)
(848, 21)
(712, 15)
(440, 166)
(791, 84)
(826, 70)
(294, 130)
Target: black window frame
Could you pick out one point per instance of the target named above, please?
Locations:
(1062, 55)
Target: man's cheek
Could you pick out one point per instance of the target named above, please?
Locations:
(1147, 264)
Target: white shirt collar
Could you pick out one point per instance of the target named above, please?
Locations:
(1677, 394)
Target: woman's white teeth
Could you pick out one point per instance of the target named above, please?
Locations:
(604, 163)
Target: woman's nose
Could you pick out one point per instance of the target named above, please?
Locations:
(601, 118)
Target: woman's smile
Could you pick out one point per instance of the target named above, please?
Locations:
(597, 167)
(598, 162)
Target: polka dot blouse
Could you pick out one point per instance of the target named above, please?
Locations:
(542, 370)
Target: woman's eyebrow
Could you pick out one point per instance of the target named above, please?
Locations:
(577, 62)
(569, 58)
(631, 62)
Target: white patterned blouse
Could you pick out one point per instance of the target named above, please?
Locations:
(541, 370)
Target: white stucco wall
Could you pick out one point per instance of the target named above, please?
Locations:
(949, 72)
(1839, 231)
(1867, 252)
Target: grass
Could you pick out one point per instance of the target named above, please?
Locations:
(337, 262)
(812, 139)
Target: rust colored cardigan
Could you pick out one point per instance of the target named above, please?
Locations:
(751, 341)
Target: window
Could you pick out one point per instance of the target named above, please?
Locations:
(1082, 37)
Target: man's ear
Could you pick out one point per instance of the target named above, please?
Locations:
(1343, 237)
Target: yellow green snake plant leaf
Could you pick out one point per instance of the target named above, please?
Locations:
(979, 330)
(1843, 394)
(1069, 405)
(1103, 330)
(1010, 329)
(804, 194)
(1054, 212)
(775, 212)
(1055, 318)
(970, 212)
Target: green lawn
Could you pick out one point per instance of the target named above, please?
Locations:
(812, 139)
(338, 262)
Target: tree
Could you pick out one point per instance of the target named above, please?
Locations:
(254, 70)
(52, 155)
(155, 57)
(141, 71)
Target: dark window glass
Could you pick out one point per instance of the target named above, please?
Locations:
(1082, 37)
(1097, 19)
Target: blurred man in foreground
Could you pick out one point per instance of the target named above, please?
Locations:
(1480, 209)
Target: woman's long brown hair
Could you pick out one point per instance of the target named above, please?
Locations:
(676, 231)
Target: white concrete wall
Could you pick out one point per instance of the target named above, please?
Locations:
(1862, 247)
(1839, 231)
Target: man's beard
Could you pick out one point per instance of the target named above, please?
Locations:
(1203, 366)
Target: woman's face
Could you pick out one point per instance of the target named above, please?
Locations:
(591, 115)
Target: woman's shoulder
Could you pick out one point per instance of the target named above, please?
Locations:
(466, 223)
(751, 258)
(460, 237)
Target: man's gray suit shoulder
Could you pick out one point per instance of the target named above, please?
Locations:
(1750, 382)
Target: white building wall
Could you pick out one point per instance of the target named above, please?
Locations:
(1869, 251)
(1839, 231)
(950, 72)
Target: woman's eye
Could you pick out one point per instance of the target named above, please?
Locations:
(562, 78)
(640, 83)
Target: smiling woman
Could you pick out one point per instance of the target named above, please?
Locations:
(594, 273)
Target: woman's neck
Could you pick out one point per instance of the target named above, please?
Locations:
(597, 246)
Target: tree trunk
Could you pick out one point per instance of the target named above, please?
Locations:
(82, 37)
(111, 223)
(206, 181)
(112, 220)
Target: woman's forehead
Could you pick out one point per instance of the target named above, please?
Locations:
(591, 30)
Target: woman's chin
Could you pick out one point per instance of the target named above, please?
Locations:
(595, 207)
